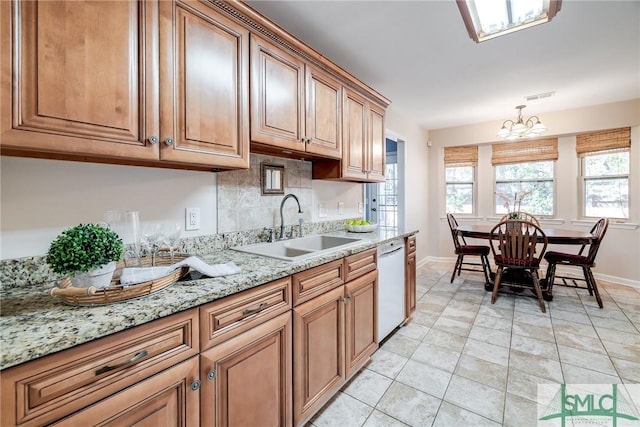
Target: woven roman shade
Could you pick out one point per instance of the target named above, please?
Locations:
(612, 139)
(467, 155)
(525, 151)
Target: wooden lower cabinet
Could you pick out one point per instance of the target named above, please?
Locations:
(410, 277)
(318, 352)
(246, 381)
(166, 399)
(334, 335)
(361, 335)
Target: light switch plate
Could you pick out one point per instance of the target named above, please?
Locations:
(322, 211)
(340, 208)
(360, 207)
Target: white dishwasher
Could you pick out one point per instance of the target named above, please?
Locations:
(390, 287)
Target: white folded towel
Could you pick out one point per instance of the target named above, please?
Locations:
(133, 275)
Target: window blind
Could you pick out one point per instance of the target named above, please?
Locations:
(467, 155)
(611, 139)
(525, 151)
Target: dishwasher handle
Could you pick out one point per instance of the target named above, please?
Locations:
(384, 254)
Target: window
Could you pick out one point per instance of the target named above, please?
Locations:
(525, 167)
(460, 173)
(388, 198)
(537, 177)
(604, 173)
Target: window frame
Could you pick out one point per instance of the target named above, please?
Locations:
(474, 187)
(553, 181)
(582, 178)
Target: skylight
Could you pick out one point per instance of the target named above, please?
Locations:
(486, 19)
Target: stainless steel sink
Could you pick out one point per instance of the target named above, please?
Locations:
(301, 248)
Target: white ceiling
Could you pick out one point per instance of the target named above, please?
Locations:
(419, 55)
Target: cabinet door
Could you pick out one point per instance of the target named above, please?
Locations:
(361, 320)
(375, 144)
(277, 96)
(354, 134)
(318, 352)
(166, 399)
(204, 83)
(246, 381)
(324, 114)
(80, 77)
(410, 285)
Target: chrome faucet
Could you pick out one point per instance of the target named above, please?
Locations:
(282, 217)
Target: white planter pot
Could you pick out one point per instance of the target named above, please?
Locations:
(98, 277)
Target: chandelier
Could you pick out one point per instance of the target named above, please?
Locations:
(530, 128)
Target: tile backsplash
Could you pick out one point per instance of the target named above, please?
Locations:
(241, 206)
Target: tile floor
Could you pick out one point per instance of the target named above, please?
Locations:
(462, 361)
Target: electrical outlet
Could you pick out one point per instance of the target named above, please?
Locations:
(360, 207)
(340, 208)
(322, 211)
(192, 219)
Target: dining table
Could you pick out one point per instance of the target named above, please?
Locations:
(555, 236)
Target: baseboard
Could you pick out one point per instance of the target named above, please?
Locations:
(599, 276)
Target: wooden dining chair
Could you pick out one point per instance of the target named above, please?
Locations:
(518, 247)
(585, 262)
(463, 249)
(524, 216)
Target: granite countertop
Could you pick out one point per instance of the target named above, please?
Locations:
(34, 324)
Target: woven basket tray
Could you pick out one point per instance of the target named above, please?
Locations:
(116, 292)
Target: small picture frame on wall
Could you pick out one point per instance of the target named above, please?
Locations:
(271, 179)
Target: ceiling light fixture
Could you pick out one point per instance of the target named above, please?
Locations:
(530, 128)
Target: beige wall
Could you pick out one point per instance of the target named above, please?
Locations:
(40, 198)
(620, 251)
(416, 157)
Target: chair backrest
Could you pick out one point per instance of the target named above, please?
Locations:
(524, 216)
(453, 224)
(518, 243)
(598, 231)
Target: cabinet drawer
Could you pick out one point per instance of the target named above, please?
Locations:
(411, 244)
(165, 399)
(227, 317)
(55, 386)
(359, 264)
(316, 281)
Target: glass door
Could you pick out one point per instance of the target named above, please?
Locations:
(384, 200)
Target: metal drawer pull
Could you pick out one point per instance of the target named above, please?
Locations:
(211, 375)
(249, 311)
(134, 359)
(153, 139)
(195, 385)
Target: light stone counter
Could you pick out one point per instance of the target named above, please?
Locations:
(34, 324)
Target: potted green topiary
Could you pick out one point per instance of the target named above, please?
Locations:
(87, 253)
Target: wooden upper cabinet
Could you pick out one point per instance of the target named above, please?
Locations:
(354, 159)
(294, 106)
(324, 114)
(277, 96)
(204, 86)
(80, 77)
(376, 152)
(363, 142)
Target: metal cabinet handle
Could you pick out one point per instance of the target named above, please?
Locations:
(211, 375)
(152, 140)
(134, 359)
(249, 311)
(168, 141)
(195, 385)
